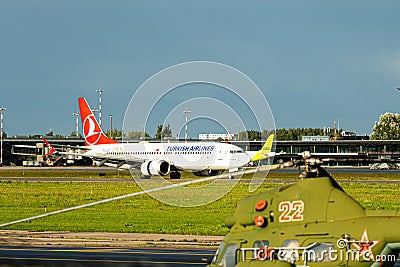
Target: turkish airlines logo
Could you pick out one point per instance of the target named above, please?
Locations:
(91, 131)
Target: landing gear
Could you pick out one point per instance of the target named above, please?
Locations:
(142, 176)
(206, 173)
(175, 175)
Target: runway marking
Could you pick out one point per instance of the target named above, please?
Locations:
(106, 261)
(92, 252)
(115, 251)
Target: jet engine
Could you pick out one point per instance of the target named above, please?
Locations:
(155, 167)
(206, 173)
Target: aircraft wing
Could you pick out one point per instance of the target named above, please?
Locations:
(118, 162)
(109, 160)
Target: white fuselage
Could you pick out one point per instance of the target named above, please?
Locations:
(190, 156)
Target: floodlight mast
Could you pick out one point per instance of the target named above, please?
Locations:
(100, 103)
(2, 109)
(76, 114)
(186, 111)
(111, 117)
(94, 110)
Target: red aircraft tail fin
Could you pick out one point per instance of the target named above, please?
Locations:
(51, 148)
(91, 129)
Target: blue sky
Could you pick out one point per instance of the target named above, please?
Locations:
(315, 61)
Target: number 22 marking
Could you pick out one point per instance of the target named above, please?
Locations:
(291, 211)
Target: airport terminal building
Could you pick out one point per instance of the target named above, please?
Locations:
(29, 152)
(377, 147)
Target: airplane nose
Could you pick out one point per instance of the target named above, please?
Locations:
(245, 158)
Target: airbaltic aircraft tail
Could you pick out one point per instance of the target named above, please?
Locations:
(91, 130)
(265, 151)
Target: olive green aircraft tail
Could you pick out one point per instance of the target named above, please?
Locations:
(263, 153)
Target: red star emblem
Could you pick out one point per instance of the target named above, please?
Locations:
(364, 247)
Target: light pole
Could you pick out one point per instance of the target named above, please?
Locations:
(100, 103)
(94, 110)
(111, 117)
(76, 114)
(186, 111)
(2, 109)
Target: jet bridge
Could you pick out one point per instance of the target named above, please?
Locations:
(33, 156)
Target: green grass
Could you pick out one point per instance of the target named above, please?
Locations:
(67, 173)
(143, 213)
(375, 196)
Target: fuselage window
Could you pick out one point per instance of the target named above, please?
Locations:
(290, 254)
(320, 252)
(262, 252)
(261, 243)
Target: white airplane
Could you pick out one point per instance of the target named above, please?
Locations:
(159, 159)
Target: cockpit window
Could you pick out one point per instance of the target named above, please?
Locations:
(217, 253)
(229, 257)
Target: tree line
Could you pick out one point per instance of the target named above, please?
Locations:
(387, 128)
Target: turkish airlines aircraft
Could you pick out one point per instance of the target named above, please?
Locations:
(201, 158)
